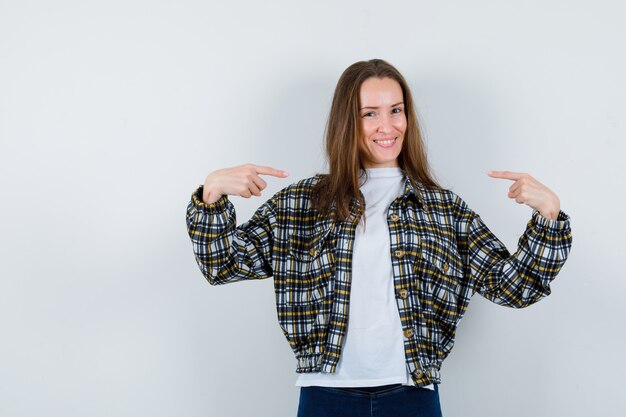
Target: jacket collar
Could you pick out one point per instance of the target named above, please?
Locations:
(414, 190)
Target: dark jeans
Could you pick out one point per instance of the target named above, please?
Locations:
(394, 400)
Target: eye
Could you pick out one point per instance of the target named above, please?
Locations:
(400, 110)
(368, 114)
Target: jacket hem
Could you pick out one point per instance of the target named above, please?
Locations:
(313, 362)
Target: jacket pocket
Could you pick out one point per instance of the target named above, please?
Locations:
(441, 273)
(301, 323)
(311, 266)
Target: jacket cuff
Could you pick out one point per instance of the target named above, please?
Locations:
(562, 222)
(218, 206)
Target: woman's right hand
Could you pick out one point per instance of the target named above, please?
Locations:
(242, 180)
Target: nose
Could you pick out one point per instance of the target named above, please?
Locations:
(385, 123)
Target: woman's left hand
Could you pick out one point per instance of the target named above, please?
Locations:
(529, 191)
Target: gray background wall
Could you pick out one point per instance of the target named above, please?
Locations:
(113, 112)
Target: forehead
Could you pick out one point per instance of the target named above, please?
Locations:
(380, 91)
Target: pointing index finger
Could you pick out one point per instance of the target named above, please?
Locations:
(270, 171)
(509, 175)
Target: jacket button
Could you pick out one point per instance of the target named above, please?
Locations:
(312, 251)
(445, 267)
(418, 373)
(404, 293)
(399, 253)
(394, 217)
(408, 333)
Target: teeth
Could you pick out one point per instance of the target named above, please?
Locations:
(385, 142)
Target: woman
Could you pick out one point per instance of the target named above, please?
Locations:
(374, 263)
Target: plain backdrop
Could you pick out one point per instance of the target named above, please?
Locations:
(113, 112)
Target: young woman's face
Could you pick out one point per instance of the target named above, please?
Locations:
(383, 122)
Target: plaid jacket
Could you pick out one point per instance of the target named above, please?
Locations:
(441, 253)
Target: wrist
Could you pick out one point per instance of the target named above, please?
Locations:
(550, 214)
(211, 195)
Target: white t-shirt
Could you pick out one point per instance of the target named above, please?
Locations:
(373, 350)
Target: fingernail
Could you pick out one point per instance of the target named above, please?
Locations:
(489, 172)
(285, 173)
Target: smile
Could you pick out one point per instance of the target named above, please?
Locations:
(386, 143)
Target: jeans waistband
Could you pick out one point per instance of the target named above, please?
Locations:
(377, 389)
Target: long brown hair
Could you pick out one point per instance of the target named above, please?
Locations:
(343, 137)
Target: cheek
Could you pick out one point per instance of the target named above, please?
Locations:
(400, 124)
(367, 128)
(364, 145)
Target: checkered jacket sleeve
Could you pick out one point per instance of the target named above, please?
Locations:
(519, 279)
(224, 251)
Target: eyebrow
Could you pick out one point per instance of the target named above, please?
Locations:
(393, 105)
